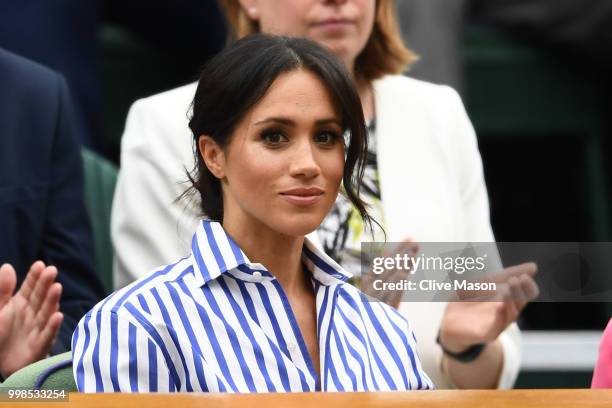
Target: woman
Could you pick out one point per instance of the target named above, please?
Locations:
(423, 178)
(268, 119)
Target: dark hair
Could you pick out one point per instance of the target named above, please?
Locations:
(238, 77)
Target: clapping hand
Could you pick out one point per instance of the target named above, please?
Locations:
(466, 323)
(29, 319)
(391, 297)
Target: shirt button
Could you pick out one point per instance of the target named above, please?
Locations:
(257, 275)
(291, 347)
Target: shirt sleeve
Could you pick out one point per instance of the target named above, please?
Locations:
(511, 345)
(115, 352)
(148, 226)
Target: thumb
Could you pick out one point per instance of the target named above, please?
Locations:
(8, 280)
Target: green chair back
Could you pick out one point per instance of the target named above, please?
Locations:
(53, 373)
(100, 180)
(126, 75)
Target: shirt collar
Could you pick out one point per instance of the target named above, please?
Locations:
(214, 253)
(323, 268)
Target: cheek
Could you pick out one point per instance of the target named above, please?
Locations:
(253, 175)
(332, 167)
(368, 15)
(284, 18)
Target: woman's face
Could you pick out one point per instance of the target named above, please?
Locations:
(284, 163)
(344, 26)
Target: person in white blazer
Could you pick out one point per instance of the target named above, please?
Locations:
(429, 167)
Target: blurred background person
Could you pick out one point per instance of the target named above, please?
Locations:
(602, 375)
(62, 36)
(76, 38)
(43, 217)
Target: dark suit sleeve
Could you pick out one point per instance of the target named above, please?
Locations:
(67, 237)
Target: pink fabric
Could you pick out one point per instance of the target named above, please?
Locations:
(602, 376)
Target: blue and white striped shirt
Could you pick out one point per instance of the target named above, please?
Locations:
(215, 322)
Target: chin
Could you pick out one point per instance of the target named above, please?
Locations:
(340, 47)
(297, 224)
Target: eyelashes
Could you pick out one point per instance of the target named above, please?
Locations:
(278, 137)
(273, 137)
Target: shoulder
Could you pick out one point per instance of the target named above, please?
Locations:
(159, 126)
(433, 113)
(403, 89)
(22, 78)
(132, 299)
(168, 104)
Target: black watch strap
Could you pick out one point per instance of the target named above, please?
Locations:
(467, 356)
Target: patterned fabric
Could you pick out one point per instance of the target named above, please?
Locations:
(343, 230)
(215, 322)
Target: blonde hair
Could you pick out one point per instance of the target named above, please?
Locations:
(385, 53)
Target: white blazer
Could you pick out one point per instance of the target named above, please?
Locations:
(431, 180)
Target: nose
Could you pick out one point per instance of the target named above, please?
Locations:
(303, 161)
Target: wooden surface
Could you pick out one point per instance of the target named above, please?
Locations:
(454, 399)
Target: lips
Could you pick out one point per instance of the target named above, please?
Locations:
(333, 24)
(303, 196)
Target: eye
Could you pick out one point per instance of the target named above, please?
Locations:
(326, 137)
(273, 137)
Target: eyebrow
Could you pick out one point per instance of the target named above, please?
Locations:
(289, 122)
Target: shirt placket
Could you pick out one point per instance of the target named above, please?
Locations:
(288, 336)
(326, 305)
(295, 345)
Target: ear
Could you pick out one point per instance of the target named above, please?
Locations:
(250, 8)
(213, 156)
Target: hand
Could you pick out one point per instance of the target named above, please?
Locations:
(391, 297)
(29, 320)
(467, 323)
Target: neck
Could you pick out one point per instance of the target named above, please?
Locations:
(279, 253)
(366, 94)
(364, 88)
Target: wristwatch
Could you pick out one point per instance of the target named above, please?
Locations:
(468, 355)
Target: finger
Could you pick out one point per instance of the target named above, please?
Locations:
(525, 289)
(516, 292)
(28, 285)
(49, 306)
(401, 248)
(518, 296)
(501, 293)
(530, 287)
(528, 268)
(42, 286)
(45, 339)
(508, 311)
(411, 245)
(8, 280)
(512, 313)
